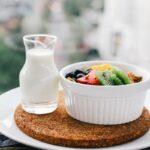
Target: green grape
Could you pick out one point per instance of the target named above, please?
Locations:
(115, 80)
(121, 75)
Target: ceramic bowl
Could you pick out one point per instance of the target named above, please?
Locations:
(106, 105)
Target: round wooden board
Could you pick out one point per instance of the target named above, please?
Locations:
(60, 129)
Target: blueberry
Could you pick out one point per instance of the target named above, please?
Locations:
(87, 71)
(78, 72)
(70, 74)
(80, 75)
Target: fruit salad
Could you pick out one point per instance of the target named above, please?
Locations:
(104, 75)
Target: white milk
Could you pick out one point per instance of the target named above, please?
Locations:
(39, 78)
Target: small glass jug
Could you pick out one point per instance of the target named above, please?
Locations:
(39, 75)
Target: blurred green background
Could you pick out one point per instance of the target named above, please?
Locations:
(86, 29)
(71, 20)
(11, 61)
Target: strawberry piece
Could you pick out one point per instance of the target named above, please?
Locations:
(83, 80)
(89, 79)
(92, 78)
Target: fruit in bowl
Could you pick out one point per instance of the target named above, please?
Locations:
(104, 92)
(103, 74)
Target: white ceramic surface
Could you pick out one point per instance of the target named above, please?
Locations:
(105, 104)
(10, 100)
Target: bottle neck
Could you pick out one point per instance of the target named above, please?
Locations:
(39, 57)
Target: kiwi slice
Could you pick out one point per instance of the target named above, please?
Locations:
(103, 77)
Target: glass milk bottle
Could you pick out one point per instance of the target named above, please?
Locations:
(39, 75)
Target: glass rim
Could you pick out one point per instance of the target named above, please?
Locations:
(26, 37)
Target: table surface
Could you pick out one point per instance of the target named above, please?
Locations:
(8, 144)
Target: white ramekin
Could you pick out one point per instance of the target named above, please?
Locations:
(105, 104)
